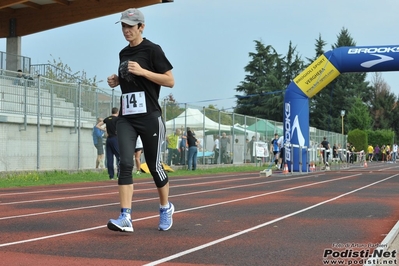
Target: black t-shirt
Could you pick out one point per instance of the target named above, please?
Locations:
(110, 123)
(325, 143)
(151, 57)
(192, 141)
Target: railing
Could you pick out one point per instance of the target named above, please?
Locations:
(52, 72)
(14, 62)
(19, 95)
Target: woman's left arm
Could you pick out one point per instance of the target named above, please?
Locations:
(166, 79)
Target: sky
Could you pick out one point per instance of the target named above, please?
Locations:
(208, 41)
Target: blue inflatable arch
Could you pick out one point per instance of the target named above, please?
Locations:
(314, 78)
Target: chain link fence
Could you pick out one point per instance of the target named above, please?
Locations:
(209, 124)
(33, 95)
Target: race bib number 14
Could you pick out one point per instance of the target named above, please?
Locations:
(133, 103)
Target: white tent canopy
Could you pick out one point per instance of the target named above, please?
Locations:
(195, 120)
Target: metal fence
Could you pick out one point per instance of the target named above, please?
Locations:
(209, 123)
(19, 95)
(77, 102)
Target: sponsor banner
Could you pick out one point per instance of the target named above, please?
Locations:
(365, 58)
(316, 76)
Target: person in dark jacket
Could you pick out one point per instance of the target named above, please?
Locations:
(192, 151)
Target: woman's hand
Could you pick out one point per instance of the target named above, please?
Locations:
(113, 81)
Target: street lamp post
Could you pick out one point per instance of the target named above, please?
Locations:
(342, 116)
(343, 137)
(342, 119)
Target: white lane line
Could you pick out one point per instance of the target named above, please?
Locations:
(145, 189)
(186, 210)
(115, 192)
(188, 251)
(149, 199)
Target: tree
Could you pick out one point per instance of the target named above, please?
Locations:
(319, 50)
(358, 116)
(215, 115)
(383, 105)
(264, 86)
(339, 94)
(170, 107)
(57, 70)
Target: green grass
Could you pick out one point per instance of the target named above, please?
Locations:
(36, 178)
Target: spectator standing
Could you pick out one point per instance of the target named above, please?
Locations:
(376, 153)
(173, 153)
(335, 151)
(370, 151)
(348, 152)
(183, 148)
(326, 152)
(199, 145)
(137, 155)
(394, 152)
(98, 143)
(340, 153)
(111, 145)
(224, 142)
(192, 151)
(383, 153)
(216, 148)
(388, 153)
(353, 154)
(250, 148)
(143, 69)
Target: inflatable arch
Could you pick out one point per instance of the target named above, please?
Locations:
(314, 78)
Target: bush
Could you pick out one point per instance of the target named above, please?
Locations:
(359, 139)
(381, 137)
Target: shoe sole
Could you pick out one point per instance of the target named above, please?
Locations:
(114, 227)
(171, 220)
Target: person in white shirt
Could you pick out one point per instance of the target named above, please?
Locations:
(216, 149)
(280, 143)
(137, 154)
(394, 152)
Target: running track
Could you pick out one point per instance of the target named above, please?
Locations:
(234, 219)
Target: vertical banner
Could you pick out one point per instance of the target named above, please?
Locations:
(296, 127)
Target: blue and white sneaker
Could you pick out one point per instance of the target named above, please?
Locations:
(165, 217)
(122, 224)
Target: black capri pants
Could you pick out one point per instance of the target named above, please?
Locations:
(151, 129)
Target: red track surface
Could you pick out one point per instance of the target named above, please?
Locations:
(238, 219)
